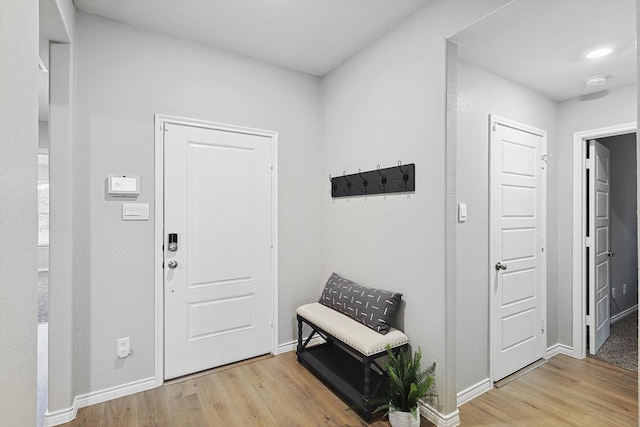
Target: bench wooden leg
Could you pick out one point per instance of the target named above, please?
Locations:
(366, 395)
(300, 347)
(367, 380)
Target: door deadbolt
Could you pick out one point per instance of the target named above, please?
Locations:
(173, 242)
(500, 266)
(173, 264)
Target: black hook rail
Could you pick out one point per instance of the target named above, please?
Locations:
(396, 179)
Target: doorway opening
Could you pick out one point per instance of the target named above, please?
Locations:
(42, 365)
(622, 300)
(619, 345)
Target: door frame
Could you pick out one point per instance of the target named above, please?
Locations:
(579, 215)
(495, 119)
(159, 121)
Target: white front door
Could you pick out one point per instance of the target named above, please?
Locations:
(517, 264)
(218, 282)
(599, 253)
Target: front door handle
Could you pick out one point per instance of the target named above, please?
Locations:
(173, 264)
(500, 266)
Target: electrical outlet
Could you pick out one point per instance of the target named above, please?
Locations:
(124, 347)
(624, 289)
(613, 293)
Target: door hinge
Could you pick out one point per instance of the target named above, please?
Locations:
(587, 163)
(587, 320)
(542, 248)
(588, 242)
(542, 325)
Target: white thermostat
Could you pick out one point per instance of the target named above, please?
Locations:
(123, 186)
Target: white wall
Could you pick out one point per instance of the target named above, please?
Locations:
(607, 108)
(43, 127)
(18, 210)
(384, 104)
(481, 93)
(61, 227)
(61, 217)
(624, 230)
(126, 75)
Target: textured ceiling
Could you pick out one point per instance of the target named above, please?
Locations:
(541, 44)
(537, 43)
(311, 36)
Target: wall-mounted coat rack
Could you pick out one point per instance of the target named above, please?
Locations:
(396, 179)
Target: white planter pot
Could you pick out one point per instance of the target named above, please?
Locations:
(404, 419)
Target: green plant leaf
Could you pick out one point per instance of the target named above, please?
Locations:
(407, 381)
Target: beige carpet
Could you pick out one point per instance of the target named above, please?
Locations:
(621, 348)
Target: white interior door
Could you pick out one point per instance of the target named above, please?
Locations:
(599, 252)
(517, 238)
(218, 289)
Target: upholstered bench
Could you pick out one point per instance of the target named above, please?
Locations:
(347, 360)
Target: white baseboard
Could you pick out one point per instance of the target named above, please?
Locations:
(624, 314)
(69, 414)
(61, 416)
(291, 346)
(474, 391)
(437, 418)
(559, 349)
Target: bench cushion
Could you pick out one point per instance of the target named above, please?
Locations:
(361, 338)
(374, 308)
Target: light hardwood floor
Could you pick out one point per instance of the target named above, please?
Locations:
(277, 391)
(563, 392)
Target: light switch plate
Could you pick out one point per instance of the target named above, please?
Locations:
(135, 211)
(462, 212)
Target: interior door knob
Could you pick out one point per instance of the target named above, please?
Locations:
(610, 253)
(500, 266)
(173, 264)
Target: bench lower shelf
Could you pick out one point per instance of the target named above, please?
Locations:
(343, 373)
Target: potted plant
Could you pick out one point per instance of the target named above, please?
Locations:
(407, 384)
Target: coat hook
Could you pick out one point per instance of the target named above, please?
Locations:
(405, 175)
(384, 179)
(545, 159)
(364, 180)
(344, 175)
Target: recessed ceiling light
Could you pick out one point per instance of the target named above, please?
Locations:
(599, 53)
(595, 80)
